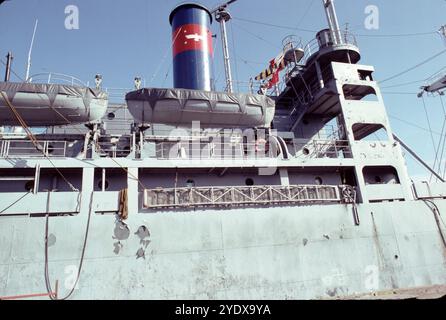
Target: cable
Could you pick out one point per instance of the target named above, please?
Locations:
(12, 70)
(315, 31)
(33, 139)
(401, 93)
(403, 84)
(396, 35)
(256, 36)
(163, 60)
(15, 202)
(414, 67)
(81, 261)
(429, 125)
(438, 218)
(413, 124)
(274, 25)
(305, 13)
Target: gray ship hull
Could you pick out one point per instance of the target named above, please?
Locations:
(301, 252)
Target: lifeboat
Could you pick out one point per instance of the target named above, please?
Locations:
(213, 109)
(42, 105)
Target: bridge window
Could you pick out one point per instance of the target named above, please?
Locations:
(363, 93)
(380, 175)
(369, 132)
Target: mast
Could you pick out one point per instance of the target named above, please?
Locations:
(332, 19)
(28, 65)
(442, 32)
(9, 58)
(222, 16)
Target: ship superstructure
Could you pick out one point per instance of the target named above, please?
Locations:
(188, 193)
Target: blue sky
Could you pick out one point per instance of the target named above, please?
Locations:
(121, 39)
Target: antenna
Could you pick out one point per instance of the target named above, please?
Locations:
(222, 16)
(28, 65)
(442, 32)
(332, 19)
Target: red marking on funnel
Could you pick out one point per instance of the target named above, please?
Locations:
(192, 37)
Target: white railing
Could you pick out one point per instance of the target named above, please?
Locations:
(56, 78)
(26, 149)
(318, 149)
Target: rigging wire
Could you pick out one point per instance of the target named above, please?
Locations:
(429, 125)
(256, 36)
(315, 31)
(163, 59)
(34, 141)
(413, 125)
(305, 13)
(15, 202)
(12, 70)
(68, 122)
(404, 84)
(414, 67)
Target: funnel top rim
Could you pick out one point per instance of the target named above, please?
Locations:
(189, 5)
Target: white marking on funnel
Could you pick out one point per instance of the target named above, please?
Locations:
(196, 37)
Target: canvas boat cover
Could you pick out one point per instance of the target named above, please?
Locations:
(184, 105)
(52, 90)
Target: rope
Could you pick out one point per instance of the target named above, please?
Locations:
(123, 204)
(47, 277)
(15, 202)
(33, 139)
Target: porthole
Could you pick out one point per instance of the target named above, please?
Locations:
(111, 116)
(249, 182)
(306, 151)
(105, 185)
(29, 186)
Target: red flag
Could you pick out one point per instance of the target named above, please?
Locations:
(275, 78)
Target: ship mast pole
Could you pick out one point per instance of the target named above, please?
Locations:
(9, 58)
(442, 32)
(28, 65)
(332, 19)
(222, 16)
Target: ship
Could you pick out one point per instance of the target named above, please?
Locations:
(190, 193)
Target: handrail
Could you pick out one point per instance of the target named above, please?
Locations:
(54, 78)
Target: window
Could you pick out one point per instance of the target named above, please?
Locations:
(380, 175)
(369, 132)
(363, 93)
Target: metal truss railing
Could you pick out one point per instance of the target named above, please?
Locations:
(244, 196)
